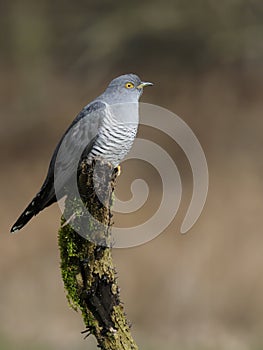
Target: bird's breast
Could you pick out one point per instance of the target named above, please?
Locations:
(116, 133)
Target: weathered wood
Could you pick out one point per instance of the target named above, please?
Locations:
(87, 268)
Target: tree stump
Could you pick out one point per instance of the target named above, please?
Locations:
(87, 268)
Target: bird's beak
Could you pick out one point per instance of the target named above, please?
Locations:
(143, 84)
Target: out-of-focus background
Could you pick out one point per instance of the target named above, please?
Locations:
(203, 290)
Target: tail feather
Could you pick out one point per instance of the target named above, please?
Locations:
(27, 214)
(34, 207)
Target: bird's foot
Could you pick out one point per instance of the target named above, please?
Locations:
(118, 170)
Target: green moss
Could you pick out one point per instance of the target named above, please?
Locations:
(88, 273)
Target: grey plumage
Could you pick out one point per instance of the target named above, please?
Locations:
(106, 127)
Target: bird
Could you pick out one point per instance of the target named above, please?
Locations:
(105, 128)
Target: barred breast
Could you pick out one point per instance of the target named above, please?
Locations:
(116, 133)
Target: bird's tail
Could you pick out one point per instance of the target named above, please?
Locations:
(35, 206)
(27, 214)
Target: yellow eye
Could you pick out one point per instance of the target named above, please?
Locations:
(129, 85)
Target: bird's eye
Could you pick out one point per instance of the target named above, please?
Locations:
(129, 85)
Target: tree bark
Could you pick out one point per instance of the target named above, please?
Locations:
(87, 268)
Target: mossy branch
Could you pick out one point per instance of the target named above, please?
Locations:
(87, 268)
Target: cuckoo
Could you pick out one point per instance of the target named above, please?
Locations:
(104, 128)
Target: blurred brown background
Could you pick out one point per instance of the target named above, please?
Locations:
(203, 290)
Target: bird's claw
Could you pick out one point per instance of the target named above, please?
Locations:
(118, 170)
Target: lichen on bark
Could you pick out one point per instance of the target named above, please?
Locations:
(87, 267)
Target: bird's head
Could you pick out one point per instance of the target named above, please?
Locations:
(125, 88)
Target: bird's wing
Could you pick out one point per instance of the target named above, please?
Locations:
(80, 135)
